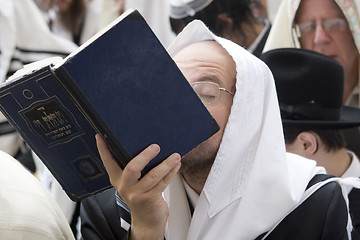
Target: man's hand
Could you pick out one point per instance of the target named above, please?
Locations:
(149, 211)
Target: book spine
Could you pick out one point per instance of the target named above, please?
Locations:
(119, 152)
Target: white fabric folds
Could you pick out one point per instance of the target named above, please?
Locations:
(253, 182)
(27, 209)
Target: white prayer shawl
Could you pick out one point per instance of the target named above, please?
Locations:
(55, 189)
(27, 210)
(91, 24)
(272, 8)
(253, 183)
(156, 14)
(23, 27)
(283, 35)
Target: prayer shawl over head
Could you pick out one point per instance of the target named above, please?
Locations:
(253, 182)
(283, 34)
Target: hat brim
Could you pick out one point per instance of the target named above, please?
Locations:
(349, 118)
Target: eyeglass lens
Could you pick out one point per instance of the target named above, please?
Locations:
(329, 25)
(208, 92)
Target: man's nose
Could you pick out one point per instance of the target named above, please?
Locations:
(321, 36)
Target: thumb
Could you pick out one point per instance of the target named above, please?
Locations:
(111, 166)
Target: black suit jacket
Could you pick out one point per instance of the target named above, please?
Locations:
(100, 217)
(354, 204)
(323, 216)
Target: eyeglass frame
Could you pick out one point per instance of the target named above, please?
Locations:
(213, 83)
(341, 21)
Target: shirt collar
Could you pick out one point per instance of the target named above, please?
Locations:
(354, 168)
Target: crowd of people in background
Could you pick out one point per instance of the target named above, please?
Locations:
(292, 68)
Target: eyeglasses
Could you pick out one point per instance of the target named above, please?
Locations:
(208, 92)
(330, 25)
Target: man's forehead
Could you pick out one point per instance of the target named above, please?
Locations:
(208, 45)
(207, 60)
(328, 5)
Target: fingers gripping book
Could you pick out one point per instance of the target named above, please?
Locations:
(121, 83)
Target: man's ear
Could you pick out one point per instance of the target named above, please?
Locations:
(308, 142)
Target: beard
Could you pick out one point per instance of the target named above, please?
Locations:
(196, 165)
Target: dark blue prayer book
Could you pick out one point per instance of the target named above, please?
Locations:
(123, 84)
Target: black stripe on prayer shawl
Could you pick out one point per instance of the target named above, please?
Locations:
(316, 179)
(26, 58)
(6, 128)
(42, 51)
(354, 205)
(9, 73)
(15, 59)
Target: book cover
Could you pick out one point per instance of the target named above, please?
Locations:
(123, 84)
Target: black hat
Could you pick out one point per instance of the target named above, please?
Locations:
(310, 89)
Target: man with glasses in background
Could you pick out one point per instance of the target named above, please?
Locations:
(330, 27)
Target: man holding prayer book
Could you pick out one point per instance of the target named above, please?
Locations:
(238, 184)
